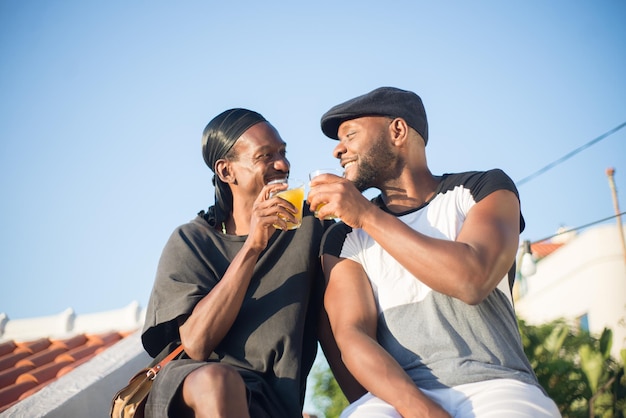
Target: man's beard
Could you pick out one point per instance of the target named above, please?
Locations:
(375, 167)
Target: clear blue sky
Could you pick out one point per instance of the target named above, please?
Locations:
(102, 105)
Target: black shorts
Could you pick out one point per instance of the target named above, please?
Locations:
(262, 403)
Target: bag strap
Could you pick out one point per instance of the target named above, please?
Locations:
(152, 372)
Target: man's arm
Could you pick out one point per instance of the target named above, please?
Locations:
(468, 268)
(353, 316)
(350, 387)
(216, 312)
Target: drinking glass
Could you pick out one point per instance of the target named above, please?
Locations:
(294, 195)
(315, 173)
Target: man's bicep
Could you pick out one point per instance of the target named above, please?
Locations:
(492, 229)
(349, 300)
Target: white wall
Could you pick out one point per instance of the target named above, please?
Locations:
(585, 276)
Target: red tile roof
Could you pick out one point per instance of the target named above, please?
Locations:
(27, 367)
(544, 248)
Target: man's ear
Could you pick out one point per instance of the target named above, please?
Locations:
(399, 131)
(223, 171)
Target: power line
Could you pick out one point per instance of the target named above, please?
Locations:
(578, 228)
(569, 155)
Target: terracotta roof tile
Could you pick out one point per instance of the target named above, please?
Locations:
(7, 347)
(11, 394)
(41, 358)
(544, 248)
(9, 360)
(33, 346)
(26, 367)
(81, 352)
(35, 352)
(9, 376)
(71, 366)
(44, 373)
(71, 343)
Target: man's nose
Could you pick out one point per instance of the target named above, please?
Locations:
(339, 150)
(281, 163)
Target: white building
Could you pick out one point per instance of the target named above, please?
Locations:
(583, 280)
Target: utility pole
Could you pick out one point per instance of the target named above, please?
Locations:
(610, 172)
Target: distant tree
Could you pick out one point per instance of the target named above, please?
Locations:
(576, 369)
(552, 359)
(327, 395)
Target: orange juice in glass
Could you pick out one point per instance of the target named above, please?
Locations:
(315, 173)
(294, 195)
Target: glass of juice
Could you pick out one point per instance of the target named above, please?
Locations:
(315, 173)
(294, 195)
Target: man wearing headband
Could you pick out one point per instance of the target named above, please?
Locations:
(241, 293)
(418, 292)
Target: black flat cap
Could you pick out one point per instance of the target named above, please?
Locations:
(384, 101)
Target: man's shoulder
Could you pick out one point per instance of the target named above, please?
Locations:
(334, 237)
(460, 178)
(338, 228)
(195, 224)
(194, 230)
(479, 182)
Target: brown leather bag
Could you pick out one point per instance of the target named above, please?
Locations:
(131, 400)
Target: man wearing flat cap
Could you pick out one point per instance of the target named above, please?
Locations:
(418, 294)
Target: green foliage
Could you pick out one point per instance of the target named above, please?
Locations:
(576, 369)
(550, 357)
(620, 392)
(327, 395)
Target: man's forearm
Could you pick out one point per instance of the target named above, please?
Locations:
(381, 375)
(213, 316)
